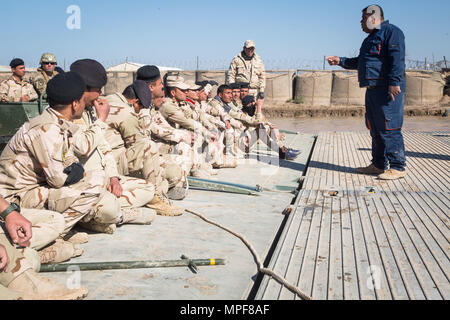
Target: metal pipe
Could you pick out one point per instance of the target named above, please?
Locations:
(206, 183)
(61, 267)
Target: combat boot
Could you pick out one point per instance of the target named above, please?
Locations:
(31, 285)
(369, 170)
(200, 172)
(228, 162)
(76, 237)
(98, 227)
(137, 216)
(392, 174)
(163, 207)
(178, 193)
(59, 251)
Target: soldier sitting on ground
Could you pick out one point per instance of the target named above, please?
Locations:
(18, 267)
(16, 88)
(45, 73)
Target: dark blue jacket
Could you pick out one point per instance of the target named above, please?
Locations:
(381, 60)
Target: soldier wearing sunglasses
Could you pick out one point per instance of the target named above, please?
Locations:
(45, 72)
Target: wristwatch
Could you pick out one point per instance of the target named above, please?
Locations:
(12, 207)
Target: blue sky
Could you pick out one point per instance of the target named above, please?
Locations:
(176, 32)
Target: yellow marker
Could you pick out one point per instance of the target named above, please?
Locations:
(212, 262)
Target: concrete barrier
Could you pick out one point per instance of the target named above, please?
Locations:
(279, 85)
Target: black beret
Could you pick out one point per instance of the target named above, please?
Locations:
(245, 85)
(235, 86)
(143, 92)
(202, 83)
(16, 62)
(65, 88)
(247, 100)
(148, 73)
(92, 72)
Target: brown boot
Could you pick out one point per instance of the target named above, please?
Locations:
(32, 286)
(76, 237)
(163, 207)
(59, 251)
(98, 227)
(138, 216)
(369, 170)
(392, 174)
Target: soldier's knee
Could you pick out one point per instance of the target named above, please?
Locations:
(107, 210)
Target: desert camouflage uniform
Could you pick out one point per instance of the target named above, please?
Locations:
(237, 105)
(12, 90)
(20, 260)
(32, 165)
(142, 153)
(95, 154)
(181, 116)
(249, 71)
(41, 79)
(172, 147)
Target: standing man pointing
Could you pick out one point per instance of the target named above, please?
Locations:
(381, 69)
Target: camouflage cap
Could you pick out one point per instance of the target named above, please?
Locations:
(193, 86)
(249, 44)
(175, 81)
(48, 57)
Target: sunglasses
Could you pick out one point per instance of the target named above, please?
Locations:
(52, 63)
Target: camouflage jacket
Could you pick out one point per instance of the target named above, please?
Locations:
(250, 71)
(91, 147)
(41, 79)
(12, 91)
(179, 116)
(134, 128)
(37, 155)
(162, 131)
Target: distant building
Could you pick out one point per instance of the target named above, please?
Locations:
(133, 66)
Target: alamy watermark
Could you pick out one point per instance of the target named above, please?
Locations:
(73, 22)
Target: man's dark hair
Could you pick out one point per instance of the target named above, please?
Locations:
(129, 92)
(373, 11)
(222, 88)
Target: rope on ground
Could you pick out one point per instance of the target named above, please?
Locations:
(261, 268)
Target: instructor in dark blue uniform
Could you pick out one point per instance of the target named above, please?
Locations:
(381, 69)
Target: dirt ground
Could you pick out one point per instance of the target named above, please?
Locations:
(293, 110)
(307, 124)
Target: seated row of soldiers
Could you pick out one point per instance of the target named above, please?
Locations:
(101, 162)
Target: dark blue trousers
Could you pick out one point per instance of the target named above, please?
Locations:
(384, 119)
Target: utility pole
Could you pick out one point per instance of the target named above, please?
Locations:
(197, 63)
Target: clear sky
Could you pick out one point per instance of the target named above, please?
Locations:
(175, 32)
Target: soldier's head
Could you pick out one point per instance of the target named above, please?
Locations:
(65, 94)
(202, 95)
(18, 67)
(193, 91)
(158, 102)
(94, 75)
(152, 76)
(138, 95)
(372, 17)
(249, 48)
(176, 88)
(48, 62)
(225, 93)
(236, 91)
(244, 90)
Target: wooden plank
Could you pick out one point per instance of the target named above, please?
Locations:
(320, 289)
(351, 282)
(309, 258)
(400, 245)
(415, 248)
(287, 246)
(361, 254)
(335, 274)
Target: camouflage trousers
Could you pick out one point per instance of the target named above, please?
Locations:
(20, 260)
(108, 210)
(144, 161)
(47, 226)
(248, 137)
